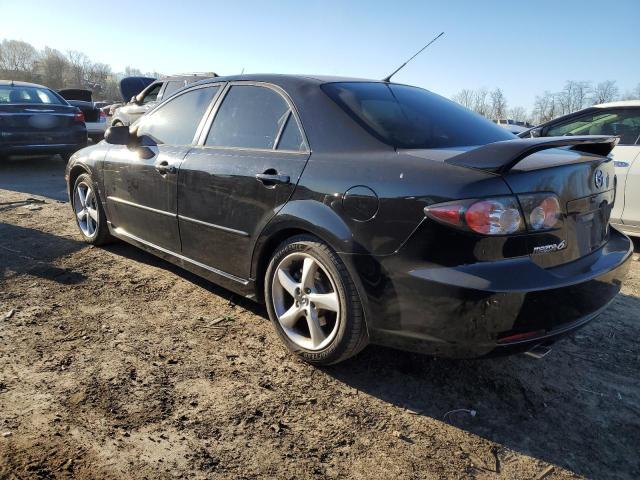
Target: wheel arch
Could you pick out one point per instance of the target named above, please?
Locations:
(327, 226)
(75, 171)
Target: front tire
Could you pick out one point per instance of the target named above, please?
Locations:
(90, 216)
(313, 303)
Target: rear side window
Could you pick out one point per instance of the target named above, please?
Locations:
(410, 117)
(623, 123)
(291, 137)
(176, 122)
(249, 117)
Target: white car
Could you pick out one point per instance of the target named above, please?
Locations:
(514, 126)
(616, 118)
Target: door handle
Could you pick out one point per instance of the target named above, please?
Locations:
(163, 168)
(270, 178)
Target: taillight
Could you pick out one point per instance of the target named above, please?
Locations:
(541, 210)
(491, 216)
(103, 117)
(78, 116)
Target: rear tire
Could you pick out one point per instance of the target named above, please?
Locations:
(88, 211)
(313, 303)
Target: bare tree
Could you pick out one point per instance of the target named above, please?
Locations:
(632, 94)
(498, 104)
(53, 66)
(606, 91)
(18, 59)
(480, 103)
(518, 113)
(79, 64)
(574, 96)
(465, 98)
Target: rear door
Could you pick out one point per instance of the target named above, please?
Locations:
(141, 183)
(243, 171)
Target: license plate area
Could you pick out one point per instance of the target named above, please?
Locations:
(590, 218)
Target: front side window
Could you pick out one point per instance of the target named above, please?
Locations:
(176, 122)
(410, 117)
(17, 94)
(152, 94)
(623, 123)
(172, 87)
(249, 117)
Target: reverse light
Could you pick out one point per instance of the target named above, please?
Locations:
(491, 216)
(542, 210)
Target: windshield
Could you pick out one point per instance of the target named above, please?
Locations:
(410, 117)
(19, 94)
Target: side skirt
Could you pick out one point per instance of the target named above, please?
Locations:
(238, 285)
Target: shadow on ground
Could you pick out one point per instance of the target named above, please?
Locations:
(42, 175)
(555, 409)
(31, 251)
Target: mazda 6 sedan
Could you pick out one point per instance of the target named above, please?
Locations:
(363, 212)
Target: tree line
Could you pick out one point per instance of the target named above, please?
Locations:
(575, 96)
(22, 61)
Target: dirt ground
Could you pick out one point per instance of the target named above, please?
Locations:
(115, 364)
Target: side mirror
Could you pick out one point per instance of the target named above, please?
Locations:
(118, 135)
(535, 132)
(135, 100)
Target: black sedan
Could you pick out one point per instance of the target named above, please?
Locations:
(35, 120)
(363, 211)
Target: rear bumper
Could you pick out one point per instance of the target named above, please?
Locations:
(487, 307)
(40, 149)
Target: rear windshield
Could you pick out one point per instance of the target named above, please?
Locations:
(18, 94)
(410, 117)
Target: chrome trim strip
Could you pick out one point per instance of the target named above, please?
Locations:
(149, 209)
(124, 233)
(213, 225)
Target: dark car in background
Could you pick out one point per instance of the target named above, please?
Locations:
(37, 120)
(155, 91)
(94, 118)
(363, 211)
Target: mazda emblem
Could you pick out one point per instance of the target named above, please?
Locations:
(598, 178)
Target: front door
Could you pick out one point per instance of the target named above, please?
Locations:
(141, 183)
(244, 170)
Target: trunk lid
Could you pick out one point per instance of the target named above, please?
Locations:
(581, 176)
(76, 94)
(35, 124)
(585, 187)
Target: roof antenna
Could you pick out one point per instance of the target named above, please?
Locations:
(387, 79)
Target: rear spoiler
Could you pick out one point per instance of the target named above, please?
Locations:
(500, 157)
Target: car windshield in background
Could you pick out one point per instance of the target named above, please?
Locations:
(410, 117)
(18, 94)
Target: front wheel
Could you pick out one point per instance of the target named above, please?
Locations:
(313, 303)
(90, 216)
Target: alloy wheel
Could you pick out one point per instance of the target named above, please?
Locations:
(86, 209)
(306, 301)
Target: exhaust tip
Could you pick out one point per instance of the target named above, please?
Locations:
(539, 351)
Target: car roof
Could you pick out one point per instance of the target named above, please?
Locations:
(622, 103)
(277, 78)
(21, 84)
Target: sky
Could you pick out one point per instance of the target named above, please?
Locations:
(522, 47)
